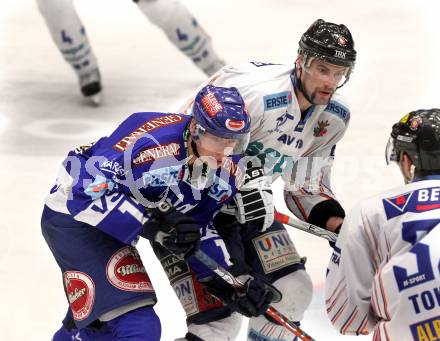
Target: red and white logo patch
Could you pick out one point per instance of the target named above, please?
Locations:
(234, 125)
(211, 104)
(342, 41)
(80, 291)
(126, 272)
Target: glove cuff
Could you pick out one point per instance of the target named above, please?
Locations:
(322, 211)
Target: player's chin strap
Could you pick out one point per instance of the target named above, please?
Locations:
(296, 81)
(271, 312)
(194, 148)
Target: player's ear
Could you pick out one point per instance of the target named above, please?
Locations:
(407, 167)
(298, 61)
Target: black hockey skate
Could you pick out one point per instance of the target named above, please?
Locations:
(90, 85)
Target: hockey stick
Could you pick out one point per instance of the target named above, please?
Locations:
(312, 229)
(239, 286)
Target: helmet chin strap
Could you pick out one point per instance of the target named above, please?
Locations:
(298, 84)
(194, 148)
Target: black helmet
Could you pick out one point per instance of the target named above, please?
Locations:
(330, 42)
(417, 134)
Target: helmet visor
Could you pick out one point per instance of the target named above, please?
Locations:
(391, 155)
(323, 71)
(220, 145)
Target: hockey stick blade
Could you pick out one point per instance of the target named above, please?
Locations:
(270, 312)
(306, 227)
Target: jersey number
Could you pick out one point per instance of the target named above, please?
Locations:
(425, 272)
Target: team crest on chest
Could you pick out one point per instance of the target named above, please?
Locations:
(281, 121)
(321, 129)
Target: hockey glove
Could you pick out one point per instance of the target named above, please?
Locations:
(254, 200)
(253, 300)
(175, 231)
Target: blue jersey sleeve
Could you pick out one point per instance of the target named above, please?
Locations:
(110, 182)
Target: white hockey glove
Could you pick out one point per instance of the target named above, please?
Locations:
(254, 200)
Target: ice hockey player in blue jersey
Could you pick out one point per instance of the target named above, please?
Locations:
(111, 192)
(384, 274)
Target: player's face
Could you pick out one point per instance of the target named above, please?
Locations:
(218, 148)
(321, 79)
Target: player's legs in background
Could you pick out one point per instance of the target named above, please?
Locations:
(183, 31)
(69, 35)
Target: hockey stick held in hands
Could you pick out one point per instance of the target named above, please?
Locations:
(309, 228)
(237, 285)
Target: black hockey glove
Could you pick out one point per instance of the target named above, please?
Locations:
(175, 231)
(254, 200)
(322, 211)
(253, 300)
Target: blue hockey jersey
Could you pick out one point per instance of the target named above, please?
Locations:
(108, 184)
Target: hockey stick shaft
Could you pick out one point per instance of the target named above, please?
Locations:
(309, 228)
(239, 286)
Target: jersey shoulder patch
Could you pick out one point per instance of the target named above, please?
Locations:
(147, 125)
(336, 107)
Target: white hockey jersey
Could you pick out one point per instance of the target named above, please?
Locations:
(301, 151)
(384, 274)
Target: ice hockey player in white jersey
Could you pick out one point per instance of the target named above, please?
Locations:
(296, 120)
(181, 28)
(384, 274)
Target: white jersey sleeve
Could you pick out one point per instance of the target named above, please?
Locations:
(384, 275)
(310, 181)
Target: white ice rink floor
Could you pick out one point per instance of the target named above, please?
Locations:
(42, 116)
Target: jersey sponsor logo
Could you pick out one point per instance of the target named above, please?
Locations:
(125, 271)
(288, 140)
(211, 105)
(80, 291)
(321, 129)
(339, 110)
(272, 160)
(220, 190)
(166, 176)
(234, 125)
(421, 200)
(187, 296)
(275, 250)
(174, 267)
(281, 121)
(156, 153)
(150, 125)
(427, 330)
(278, 100)
(112, 167)
(98, 187)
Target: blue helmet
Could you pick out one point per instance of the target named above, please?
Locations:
(221, 112)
